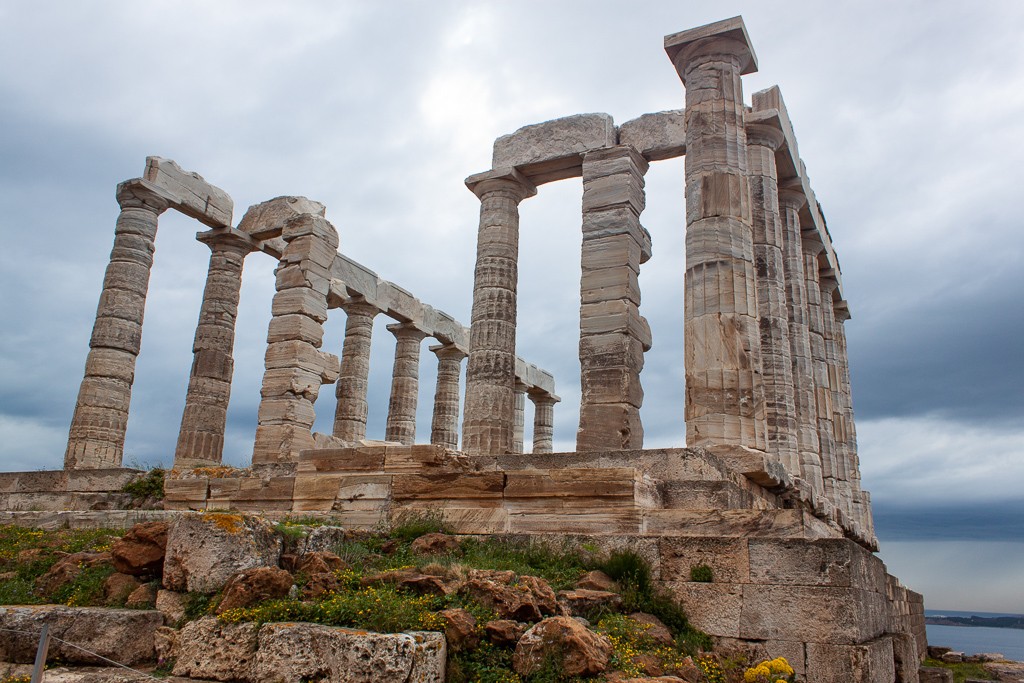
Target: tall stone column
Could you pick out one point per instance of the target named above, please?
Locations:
(776, 359)
(829, 284)
(201, 438)
(490, 372)
(543, 421)
(405, 383)
(724, 395)
(613, 334)
(351, 411)
(519, 423)
(96, 437)
(861, 508)
(790, 202)
(819, 368)
(444, 429)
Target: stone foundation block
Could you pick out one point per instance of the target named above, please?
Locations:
(826, 562)
(715, 608)
(868, 663)
(727, 558)
(820, 613)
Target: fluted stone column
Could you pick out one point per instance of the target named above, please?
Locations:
(519, 422)
(201, 438)
(861, 511)
(351, 411)
(405, 383)
(96, 437)
(790, 203)
(829, 284)
(819, 368)
(724, 395)
(613, 334)
(444, 429)
(490, 372)
(776, 360)
(543, 421)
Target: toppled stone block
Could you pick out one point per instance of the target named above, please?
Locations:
(204, 551)
(576, 650)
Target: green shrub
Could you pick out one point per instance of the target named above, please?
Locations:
(150, 485)
(964, 671)
(701, 573)
(411, 524)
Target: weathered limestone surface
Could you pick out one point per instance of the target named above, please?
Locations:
(554, 149)
(444, 428)
(656, 136)
(543, 420)
(352, 409)
(189, 193)
(519, 418)
(724, 395)
(405, 383)
(204, 551)
(490, 373)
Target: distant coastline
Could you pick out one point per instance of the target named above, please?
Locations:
(989, 622)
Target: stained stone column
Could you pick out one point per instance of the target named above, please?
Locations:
(829, 284)
(490, 372)
(819, 369)
(519, 423)
(351, 410)
(613, 334)
(724, 395)
(405, 384)
(201, 438)
(444, 429)
(861, 511)
(776, 359)
(96, 437)
(790, 203)
(543, 421)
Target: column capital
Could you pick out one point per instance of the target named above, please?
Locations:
(698, 45)
(541, 397)
(842, 310)
(501, 179)
(829, 281)
(792, 199)
(406, 330)
(812, 246)
(765, 135)
(357, 305)
(141, 194)
(448, 352)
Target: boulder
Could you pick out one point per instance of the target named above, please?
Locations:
(585, 601)
(413, 581)
(140, 552)
(254, 585)
(574, 650)
(597, 580)
(165, 641)
(204, 551)
(528, 599)
(318, 571)
(434, 544)
(118, 587)
(221, 652)
(124, 635)
(460, 629)
(297, 651)
(171, 605)
(504, 632)
(143, 597)
(66, 570)
(656, 630)
(935, 674)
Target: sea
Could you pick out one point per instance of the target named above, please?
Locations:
(974, 639)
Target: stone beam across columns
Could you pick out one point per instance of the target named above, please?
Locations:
(490, 373)
(352, 408)
(724, 395)
(203, 421)
(613, 334)
(100, 420)
(764, 137)
(405, 383)
(543, 420)
(444, 428)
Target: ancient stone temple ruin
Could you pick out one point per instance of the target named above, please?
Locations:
(766, 490)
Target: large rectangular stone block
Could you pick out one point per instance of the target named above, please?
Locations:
(657, 136)
(827, 562)
(822, 613)
(870, 662)
(554, 149)
(189, 193)
(597, 523)
(448, 486)
(727, 558)
(714, 608)
(357, 459)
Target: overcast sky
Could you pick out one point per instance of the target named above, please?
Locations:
(909, 117)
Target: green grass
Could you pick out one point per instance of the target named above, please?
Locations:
(961, 672)
(411, 524)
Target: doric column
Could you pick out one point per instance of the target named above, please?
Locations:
(519, 421)
(405, 383)
(490, 371)
(96, 437)
(613, 334)
(724, 396)
(829, 283)
(444, 429)
(201, 438)
(351, 411)
(543, 421)
(819, 369)
(776, 360)
(861, 510)
(790, 202)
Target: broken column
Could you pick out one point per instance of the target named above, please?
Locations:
(201, 438)
(613, 334)
(790, 203)
(764, 138)
(490, 372)
(295, 367)
(444, 428)
(405, 383)
(96, 437)
(351, 411)
(724, 396)
(543, 420)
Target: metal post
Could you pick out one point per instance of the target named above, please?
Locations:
(44, 645)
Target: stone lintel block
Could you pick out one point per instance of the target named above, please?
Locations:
(727, 558)
(399, 303)
(295, 327)
(189, 193)
(755, 465)
(301, 301)
(358, 279)
(870, 662)
(554, 149)
(444, 328)
(787, 157)
(266, 220)
(657, 136)
(682, 47)
(714, 608)
(612, 191)
(341, 460)
(624, 521)
(448, 486)
(187, 490)
(826, 562)
(825, 614)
